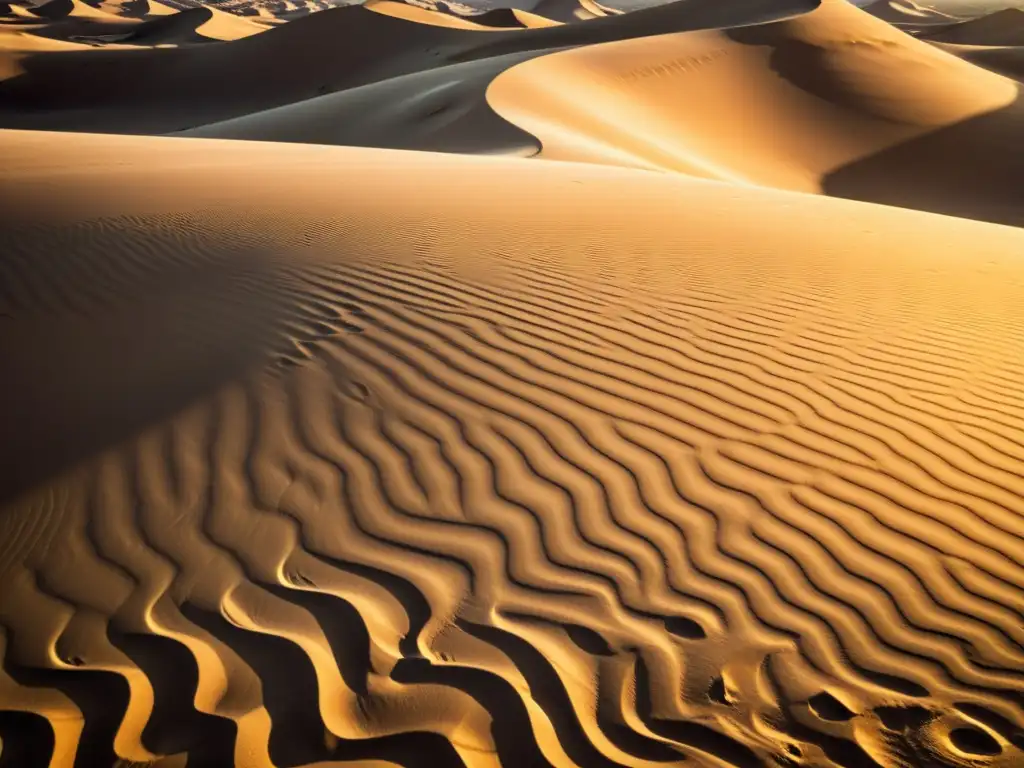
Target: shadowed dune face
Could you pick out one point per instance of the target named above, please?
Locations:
(441, 110)
(994, 41)
(95, 365)
(915, 174)
(120, 25)
(1004, 27)
(1006, 60)
(542, 478)
(907, 12)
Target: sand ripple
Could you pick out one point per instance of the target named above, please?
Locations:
(511, 483)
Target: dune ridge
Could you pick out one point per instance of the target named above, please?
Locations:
(908, 12)
(508, 481)
(1005, 27)
(994, 41)
(832, 101)
(727, 91)
(273, 68)
(443, 109)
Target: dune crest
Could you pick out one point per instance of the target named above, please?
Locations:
(1005, 27)
(994, 41)
(707, 100)
(907, 12)
(165, 90)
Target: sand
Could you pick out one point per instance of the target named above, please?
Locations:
(994, 41)
(908, 12)
(832, 101)
(483, 391)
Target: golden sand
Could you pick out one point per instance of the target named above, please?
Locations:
(605, 433)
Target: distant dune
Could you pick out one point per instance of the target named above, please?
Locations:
(906, 12)
(804, 104)
(440, 110)
(1007, 60)
(1004, 27)
(994, 41)
(598, 399)
(166, 89)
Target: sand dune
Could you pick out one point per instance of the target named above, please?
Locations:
(121, 26)
(594, 467)
(65, 9)
(907, 12)
(1007, 60)
(170, 89)
(533, 20)
(807, 104)
(991, 40)
(498, 18)
(440, 110)
(408, 12)
(141, 8)
(1004, 27)
(320, 456)
(563, 11)
(164, 90)
(192, 25)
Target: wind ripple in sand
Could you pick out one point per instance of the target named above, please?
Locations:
(534, 517)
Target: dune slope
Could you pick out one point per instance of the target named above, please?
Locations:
(1005, 27)
(907, 12)
(1007, 60)
(994, 41)
(832, 101)
(440, 110)
(169, 89)
(382, 461)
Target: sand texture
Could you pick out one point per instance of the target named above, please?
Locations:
(436, 385)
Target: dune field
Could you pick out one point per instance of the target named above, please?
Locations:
(555, 383)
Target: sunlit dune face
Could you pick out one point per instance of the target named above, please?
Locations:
(780, 105)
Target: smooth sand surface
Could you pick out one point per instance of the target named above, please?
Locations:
(598, 430)
(440, 110)
(1005, 59)
(992, 40)
(1004, 27)
(797, 105)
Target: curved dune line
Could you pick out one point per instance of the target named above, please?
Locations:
(64, 720)
(166, 89)
(738, 104)
(504, 483)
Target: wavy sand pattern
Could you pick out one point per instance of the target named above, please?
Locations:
(669, 455)
(628, 486)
